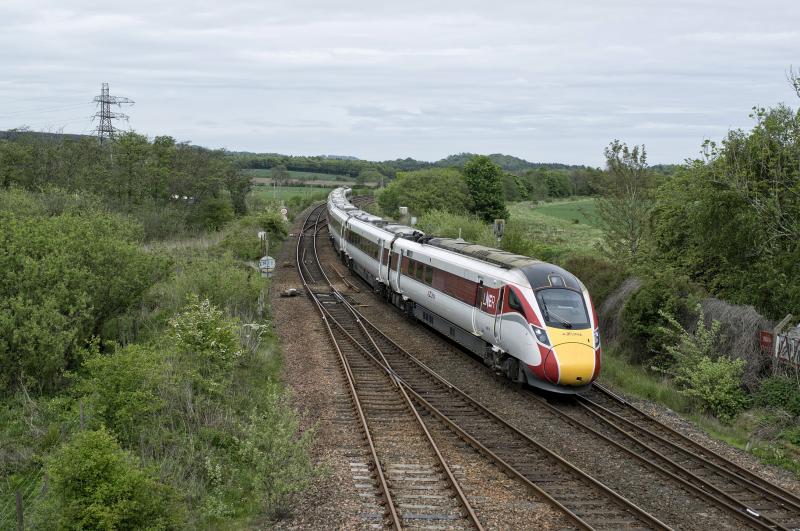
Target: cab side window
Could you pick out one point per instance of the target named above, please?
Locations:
(514, 302)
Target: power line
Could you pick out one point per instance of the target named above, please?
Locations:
(105, 127)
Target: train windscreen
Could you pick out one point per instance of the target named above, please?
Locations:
(563, 308)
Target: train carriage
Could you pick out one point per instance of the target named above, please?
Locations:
(532, 320)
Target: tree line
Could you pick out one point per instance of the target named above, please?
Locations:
(171, 186)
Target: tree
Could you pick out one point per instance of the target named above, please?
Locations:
(626, 202)
(280, 175)
(239, 186)
(425, 190)
(484, 181)
(730, 219)
(61, 279)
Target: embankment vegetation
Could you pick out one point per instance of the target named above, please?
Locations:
(140, 383)
(685, 264)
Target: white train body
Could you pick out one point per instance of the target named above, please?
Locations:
(532, 320)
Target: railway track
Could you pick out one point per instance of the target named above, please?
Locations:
(408, 476)
(755, 502)
(764, 504)
(586, 501)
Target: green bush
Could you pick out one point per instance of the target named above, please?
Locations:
(272, 222)
(275, 457)
(121, 390)
(222, 280)
(779, 392)
(241, 236)
(600, 275)
(643, 320)
(212, 213)
(716, 385)
(94, 484)
(448, 225)
(711, 380)
(204, 334)
(61, 279)
(426, 190)
(242, 242)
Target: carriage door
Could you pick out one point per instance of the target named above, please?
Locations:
(498, 316)
(479, 290)
(380, 260)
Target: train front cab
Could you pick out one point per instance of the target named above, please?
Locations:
(568, 341)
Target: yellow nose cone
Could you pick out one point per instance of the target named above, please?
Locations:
(575, 363)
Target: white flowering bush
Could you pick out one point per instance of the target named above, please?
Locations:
(205, 333)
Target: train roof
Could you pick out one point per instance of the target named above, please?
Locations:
(539, 274)
(494, 256)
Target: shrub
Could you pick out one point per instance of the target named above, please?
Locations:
(447, 225)
(600, 275)
(203, 332)
(121, 389)
(241, 236)
(94, 484)
(711, 380)
(212, 213)
(274, 455)
(426, 190)
(779, 392)
(222, 280)
(61, 278)
(643, 316)
(242, 242)
(716, 385)
(272, 222)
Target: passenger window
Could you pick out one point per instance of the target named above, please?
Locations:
(428, 275)
(419, 270)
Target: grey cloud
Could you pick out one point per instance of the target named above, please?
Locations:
(543, 80)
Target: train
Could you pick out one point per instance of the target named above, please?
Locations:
(530, 320)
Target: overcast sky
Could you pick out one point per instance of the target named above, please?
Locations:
(546, 81)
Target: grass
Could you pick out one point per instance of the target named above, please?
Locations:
(583, 210)
(552, 224)
(300, 175)
(619, 373)
(285, 192)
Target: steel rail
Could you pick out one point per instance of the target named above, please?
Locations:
(480, 446)
(389, 502)
(327, 317)
(443, 463)
(785, 513)
(626, 504)
(706, 490)
(722, 463)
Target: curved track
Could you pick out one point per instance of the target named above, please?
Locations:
(587, 502)
(409, 474)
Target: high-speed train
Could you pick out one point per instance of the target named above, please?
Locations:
(531, 320)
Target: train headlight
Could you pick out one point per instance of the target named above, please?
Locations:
(541, 335)
(596, 338)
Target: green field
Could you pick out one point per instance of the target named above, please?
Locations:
(300, 175)
(554, 223)
(583, 210)
(285, 192)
